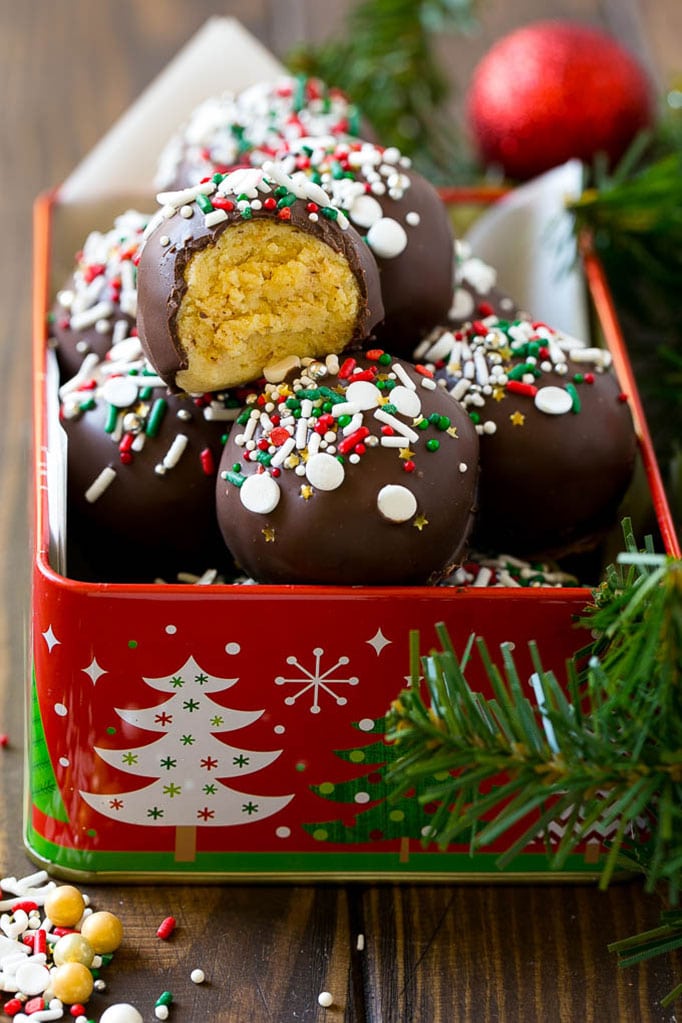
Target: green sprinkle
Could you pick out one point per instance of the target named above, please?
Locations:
(517, 372)
(235, 478)
(344, 421)
(385, 359)
(423, 424)
(391, 409)
(578, 378)
(243, 417)
(287, 200)
(164, 999)
(88, 405)
(280, 191)
(112, 419)
(155, 416)
(574, 397)
(246, 213)
(443, 423)
(329, 212)
(145, 393)
(475, 418)
(204, 203)
(217, 177)
(263, 457)
(432, 444)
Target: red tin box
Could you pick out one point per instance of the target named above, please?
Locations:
(148, 703)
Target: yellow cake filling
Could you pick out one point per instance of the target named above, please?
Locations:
(264, 291)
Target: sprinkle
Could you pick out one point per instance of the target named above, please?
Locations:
(396, 503)
(120, 391)
(386, 238)
(554, 401)
(325, 472)
(325, 999)
(155, 416)
(575, 397)
(215, 217)
(165, 998)
(98, 487)
(399, 427)
(197, 976)
(207, 462)
(175, 451)
(260, 494)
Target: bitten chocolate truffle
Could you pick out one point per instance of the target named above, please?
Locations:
(252, 126)
(403, 221)
(246, 269)
(141, 471)
(351, 471)
(97, 307)
(557, 440)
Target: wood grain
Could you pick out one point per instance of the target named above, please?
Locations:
(431, 954)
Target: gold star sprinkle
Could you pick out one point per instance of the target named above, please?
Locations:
(269, 534)
(420, 521)
(452, 431)
(306, 491)
(405, 454)
(498, 393)
(517, 418)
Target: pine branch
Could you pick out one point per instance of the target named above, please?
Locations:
(387, 63)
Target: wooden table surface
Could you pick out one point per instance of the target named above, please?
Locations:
(432, 953)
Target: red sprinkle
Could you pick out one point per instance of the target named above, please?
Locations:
(27, 905)
(347, 368)
(485, 309)
(589, 378)
(14, 1006)
(77, 1009)
(207, 462)
(39, 941)
(166, 928)
(222, 204)
(622, 397)
(269, 203)
(61, 931)
(349, 442)
(374, 353)
(312, 207)
(409, 465)
(365, 374)
(424, 370)
(284, 213)
(518, 387)
(387, 430)
(36, 1004)
(4, 740)
(280, 435)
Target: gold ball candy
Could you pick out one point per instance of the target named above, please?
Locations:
(73, 948)
(72, 982)
(103, 931)
(64, 905)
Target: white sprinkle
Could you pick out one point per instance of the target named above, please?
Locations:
(260, 494)
(120, 391)
(401, 372)
(387, 238)
(463, 467)
(87, 318)
(121, 1012)
(215, 413)
(407, 401)
(215, 217)
(360, 943)
(396, 503)
(392, 442)
(555, 401)
(324, 472)
(198, 976)
(401, 428)
(161, 1012)
(185, 195)
(97, 488)
(599, 356)
(344, 408)
(186, 212)
(175, 451)
(284, 451)
(325, 999)
(363, 394)
(164, 240)
(413, 219)
(429, 384)
(355, 424)
(460, 389)
(484, 576)
(365, 211)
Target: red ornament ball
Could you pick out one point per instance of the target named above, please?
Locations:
(554, 90)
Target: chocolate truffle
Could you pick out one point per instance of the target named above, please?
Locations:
(141, 471)
(251, 126)
(403, 221)
(97, 306)
(246, 269)
(557, 439)
(362, 472)
(476, 294)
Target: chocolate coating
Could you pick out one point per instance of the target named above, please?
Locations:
(557, 440)
(97, 305)
(156, 515)
(252, 126)
(308, 496)
(244, 199)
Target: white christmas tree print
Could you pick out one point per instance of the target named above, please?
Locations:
(315, 681)
(188, 762)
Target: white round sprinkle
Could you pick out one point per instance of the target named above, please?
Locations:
(121, 1012)
(413, 219)
(32, 978)
(260, 493)
(387, 238)
(555, 401)
(363, 394)
(324, 472)
(120, 391)
(197, 976)
(162, 1012)
(463, 467)
(365, 211)
(407, 401)
(325, 999)
(396, 503)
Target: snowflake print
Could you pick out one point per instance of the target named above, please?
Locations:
(316, 681)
